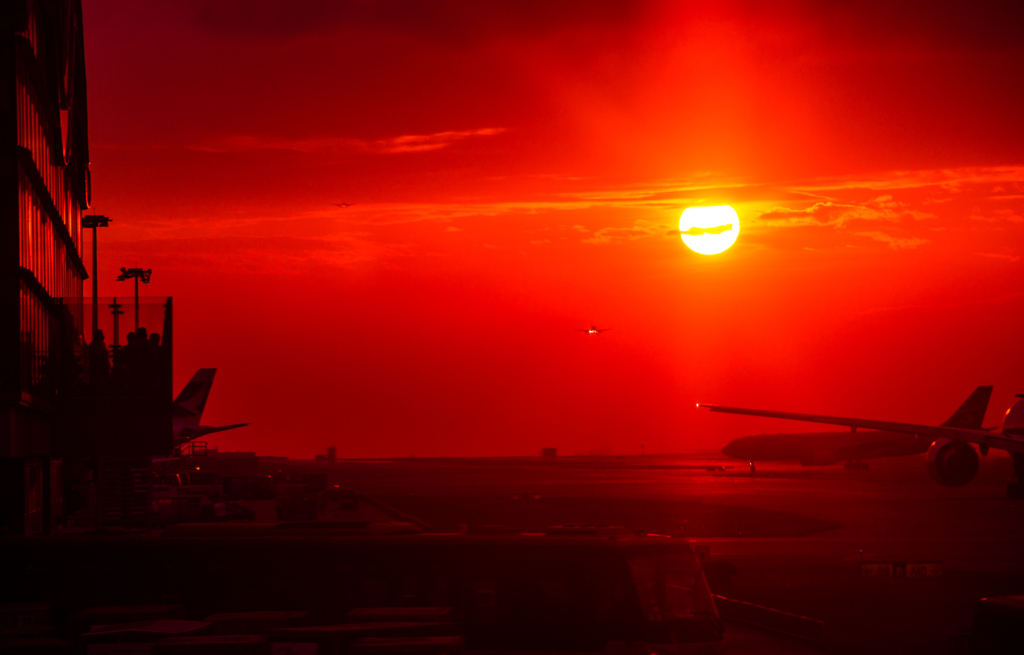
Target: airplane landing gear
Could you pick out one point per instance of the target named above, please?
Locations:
(855, 465)
(1015, 487)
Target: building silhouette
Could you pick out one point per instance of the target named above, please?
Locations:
(59, 431)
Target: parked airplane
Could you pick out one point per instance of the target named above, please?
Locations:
(826, 448)
(189, 405)
(593, 330)
(952, 459)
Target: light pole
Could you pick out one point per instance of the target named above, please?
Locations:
(94, 222)
(137, 274)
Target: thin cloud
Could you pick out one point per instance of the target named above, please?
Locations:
(948, 178)
(425, 142)
(639, 230)
(897, 243)
(820, 213)
(280, 253)
(837, 214)
(995, 255)
(997, 216)
(395, 145)
(773, 215)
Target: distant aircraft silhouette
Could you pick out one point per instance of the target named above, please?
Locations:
(592, 330)
(189, 406)
(697, 231)
(342, 204)
(953, 448)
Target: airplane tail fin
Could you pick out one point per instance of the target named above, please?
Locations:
(193, 397)
(972, 412)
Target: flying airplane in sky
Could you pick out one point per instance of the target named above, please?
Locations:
(593, 330)
(189, 405)
(952, 458)
(826, 448)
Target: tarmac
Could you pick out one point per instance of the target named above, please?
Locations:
(797, 537)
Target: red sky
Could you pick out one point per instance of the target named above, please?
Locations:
(515, 168)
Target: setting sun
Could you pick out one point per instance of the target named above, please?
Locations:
(709, 230)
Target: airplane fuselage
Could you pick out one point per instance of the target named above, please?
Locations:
(824, 448)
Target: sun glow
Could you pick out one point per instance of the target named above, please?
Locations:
(709, 230)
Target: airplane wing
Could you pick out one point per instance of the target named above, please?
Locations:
(931, 431)
(188, 434)
(210, 430)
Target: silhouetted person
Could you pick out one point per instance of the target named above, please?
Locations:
(142, 363)
(138, 363)
(99, 365)
(122, 373)
(154, 364)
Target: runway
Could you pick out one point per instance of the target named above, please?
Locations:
(796, 536)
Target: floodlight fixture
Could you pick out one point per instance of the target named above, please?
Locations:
(94, 221)
(135, 274)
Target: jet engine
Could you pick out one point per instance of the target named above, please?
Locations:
(952, 463)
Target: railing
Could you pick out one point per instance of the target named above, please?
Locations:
(130, 352)
(123, 358)
(117, 396)
(193, 449)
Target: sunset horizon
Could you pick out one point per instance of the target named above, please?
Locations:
(383, 227)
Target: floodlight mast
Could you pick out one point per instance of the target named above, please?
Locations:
(94, 222)
(136, 274)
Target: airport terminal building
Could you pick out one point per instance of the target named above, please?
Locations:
(53, 415)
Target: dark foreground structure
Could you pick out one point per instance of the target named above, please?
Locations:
(81, 413)
(549, 592)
